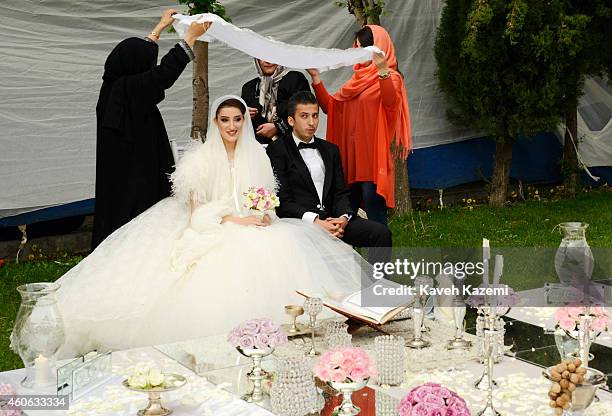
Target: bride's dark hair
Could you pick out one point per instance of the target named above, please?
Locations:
(231, 102)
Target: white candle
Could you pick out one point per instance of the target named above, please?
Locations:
(486, 249)
(485, 273)
(41, 370)
(499, 268)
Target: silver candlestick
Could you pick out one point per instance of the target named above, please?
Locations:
(417, 341)
(584, 336)
(489, 319)
(458, 342)
(313, 306)
(422, 285)
(489, 409)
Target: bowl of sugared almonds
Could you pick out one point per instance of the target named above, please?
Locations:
(573, 386)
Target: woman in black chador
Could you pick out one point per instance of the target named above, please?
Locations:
(133, 155)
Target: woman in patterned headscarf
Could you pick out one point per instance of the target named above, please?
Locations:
(364, 117)
(267, 97)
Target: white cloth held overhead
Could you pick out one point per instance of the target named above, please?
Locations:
(261, 47)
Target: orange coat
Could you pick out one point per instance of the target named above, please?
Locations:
(365, 116)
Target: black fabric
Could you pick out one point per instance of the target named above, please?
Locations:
(311, 145)
(133, 155)
(376, 237)
(291, 83)
(297, 194)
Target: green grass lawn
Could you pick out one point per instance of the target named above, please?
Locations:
(525, 233)
(525, 224)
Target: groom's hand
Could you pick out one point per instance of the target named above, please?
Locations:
(327, 226)
(341, 223)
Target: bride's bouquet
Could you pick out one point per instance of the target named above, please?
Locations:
(260, 201)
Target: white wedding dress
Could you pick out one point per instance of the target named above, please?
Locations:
(172, 274)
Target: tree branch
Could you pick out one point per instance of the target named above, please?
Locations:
(356, 7)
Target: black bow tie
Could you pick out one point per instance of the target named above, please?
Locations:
(311, 145)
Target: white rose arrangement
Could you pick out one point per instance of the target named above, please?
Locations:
(147, 378)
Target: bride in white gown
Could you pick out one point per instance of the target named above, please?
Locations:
(197, 263)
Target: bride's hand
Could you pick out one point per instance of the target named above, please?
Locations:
(250, 220)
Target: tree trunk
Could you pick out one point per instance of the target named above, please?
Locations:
(199, 118)
(372, 18)
(570, 159)
(403, 203)
(360, 7)
(356, 7)
(501, 173)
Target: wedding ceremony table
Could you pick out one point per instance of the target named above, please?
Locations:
(544, 316)
(216, 378)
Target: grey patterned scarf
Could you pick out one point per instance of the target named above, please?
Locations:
(268, 89)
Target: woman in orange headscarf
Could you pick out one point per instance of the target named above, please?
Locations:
(363, 118)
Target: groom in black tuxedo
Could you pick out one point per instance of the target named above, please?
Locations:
(311, 183)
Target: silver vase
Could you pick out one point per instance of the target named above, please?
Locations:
(347, 408)
(256, 375)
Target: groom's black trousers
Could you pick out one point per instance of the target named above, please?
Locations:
(371, 235)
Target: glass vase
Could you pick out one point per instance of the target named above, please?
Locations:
(38, 333)
(293, 391)
(336, 335)
(390, 359)
(584, 394)
(574, 258)
(567, 342)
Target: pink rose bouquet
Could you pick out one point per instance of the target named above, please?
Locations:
(260, 200)
(257, 333)
(345, 365)
(568, 318)
(6, 408)
(431, 399)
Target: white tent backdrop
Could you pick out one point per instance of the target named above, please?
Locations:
(53, 54)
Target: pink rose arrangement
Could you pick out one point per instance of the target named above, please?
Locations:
(259, 333)
(568, 318)
(260, 199)
(8, 391)
(431, 399)
(345, 365)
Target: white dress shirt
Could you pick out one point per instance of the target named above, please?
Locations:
(316, 167)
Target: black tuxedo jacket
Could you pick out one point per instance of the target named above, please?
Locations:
(297, 192)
